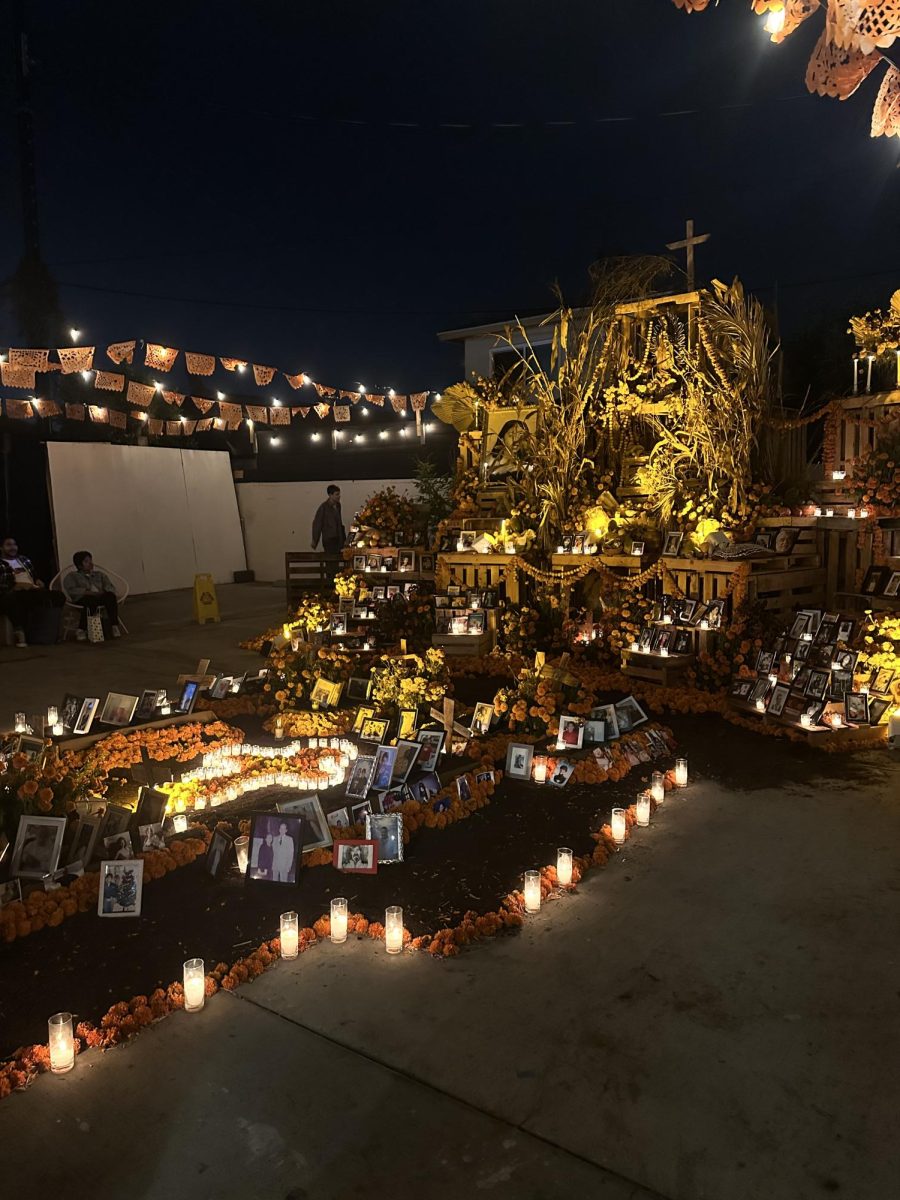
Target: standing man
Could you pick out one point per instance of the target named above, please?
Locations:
(283, 856)
(329, 525)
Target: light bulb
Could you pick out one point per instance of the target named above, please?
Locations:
(274, 441)
(220, 395)
(74, 334)
(242, 367)
(85, 375)
(364, 411)
(382, 433)
(774, 22)
(437, 395)
(276, 402)
(314, 437)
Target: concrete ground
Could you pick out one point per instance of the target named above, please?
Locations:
(715, 1015)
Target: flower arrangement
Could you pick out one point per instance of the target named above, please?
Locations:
(874, 477)
(387, 514)
(46, 787)
(411, 617)
(120, 751)
(409, 680)
(881, 647)
(348, 585)
(533, 705)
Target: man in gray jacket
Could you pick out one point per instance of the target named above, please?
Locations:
(329, 526)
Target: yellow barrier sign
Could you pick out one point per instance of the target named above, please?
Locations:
(206, 604)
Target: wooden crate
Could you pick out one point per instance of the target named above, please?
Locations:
(780, 583)
(475, 645)
(478, 572)
(305, 572)
(820, 736)
(655, 668)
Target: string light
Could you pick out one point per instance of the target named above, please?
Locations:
(274, 441)
(183, 420)
(307, 382)
(157, 385)
(360, 437)
(74, 334)
(276, 402)
(220, 395)
(403, 433)
(391, 393)
(364, 411)
(85, 375)
(774, 22)
(382, 433)
(362, 389)
(242, 367)
(313, 437)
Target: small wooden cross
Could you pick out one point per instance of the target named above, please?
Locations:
(688, 243)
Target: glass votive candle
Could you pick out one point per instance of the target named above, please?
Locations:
(58, 729)
(393, 928)
(290, 935)
(617, 824)
(664, 651)
(242, 850)
(563, 868)
(760, 705)
(279, 728)
(851, 513)
(62, 1043)
(863, 512)
(194, 985)
(704, 623)
(681, 772)
(658, 787)
(339, 920)
(836, 720)
(20, 723)
(52, 715)
(642, 809)
(539, 769)
(532, 891)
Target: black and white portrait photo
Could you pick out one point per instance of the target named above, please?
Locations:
(37, 846)
(387, 830)
(357, 855)
(276, 840)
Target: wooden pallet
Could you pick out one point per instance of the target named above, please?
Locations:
(780, 583)
(667, 671)
(305, 572)
(479, 572)
(819, 735)
(474, 645)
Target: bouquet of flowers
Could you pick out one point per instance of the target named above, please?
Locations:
(387, 513)
(409, 680)
(43, 786)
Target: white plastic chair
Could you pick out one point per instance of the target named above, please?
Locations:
(120, 587)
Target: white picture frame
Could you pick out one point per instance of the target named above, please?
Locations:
(112, 876)
(34, 861)
(518, 760)
(386, 829)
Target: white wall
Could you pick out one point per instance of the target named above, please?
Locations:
(155, 515)
(278, 516)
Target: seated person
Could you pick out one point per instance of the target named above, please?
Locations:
(91, 589)
(22, 594)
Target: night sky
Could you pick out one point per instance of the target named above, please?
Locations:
(273, 181)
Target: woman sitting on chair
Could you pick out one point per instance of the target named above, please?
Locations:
(91, 590)
(22, 594)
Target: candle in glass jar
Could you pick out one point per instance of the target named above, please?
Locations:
(851, 513)
(836, 720)
(393, 929)
(806, 720)
(242, 850)
(539, 769)
(532, 891)
(194, 985)
(339, 920)
(62, 1043)
(617, 824)
(279, 727)
(57, 730)
(704, 623)
(179, 823)
(863, 512)
(290, 935)
(642, 809)
(20, 723)
(681, 772)
(52, 715)
(658, 787)
(564, 866)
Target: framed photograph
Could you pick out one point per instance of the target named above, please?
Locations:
(607, 714)
(777, 700)
(276, 840)
(86, 714)
(785, 539)
(359, 562)
(765, 538)
(392, 799)
(146, 707)
(484, 777)
(846, 660)
(315, 825)
(877, 708)
(845, 630)
(389, 564)
(482, 718)
(562, 773)
(118, 709)
(426, 788)
(579, 543)
(764, 661)
(741, 688)
(818, 684)
(681, 643)
(892, 587)
(339, 818)
(759, 691)
(82, 848)
(219, 690)
(218, 854)
(827, 632)
(359, 812)
(629, 714)
(715, 613)
(802, 652)
(69, 710)
(645, 641)
(358, 688)
(406, 560)
(672, 544)
(801, 678)
(856, 708)
(356, 855)
(32, 747)
(881, 680)
(151, 807)
(373, 562)
(426, 564)
(363, 714)
(687, 610)
(477, 621)
(321, 693)
(594, 732)
(405, 759)
(387, 830)
(119, 846)
(571, 732)
(406, 725)
(338, 623)
(121, 888)
(874, 581)
(463, 788)
(10, 891)
(518, 760)
(813, 709)
(385, 758)
(151, 837)
(637, 549)
(841, 684)
(392, 590)
(432, 742)
(188, 697)
(374, 729)
(116, 820)
(378, 592)
(360, 777)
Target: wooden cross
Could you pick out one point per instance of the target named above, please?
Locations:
(688, 243)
